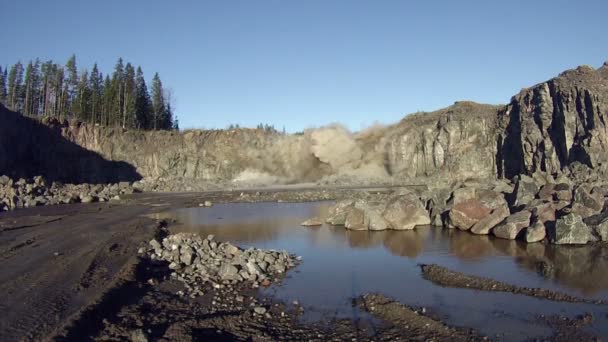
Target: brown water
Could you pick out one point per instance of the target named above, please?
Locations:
(339, 265)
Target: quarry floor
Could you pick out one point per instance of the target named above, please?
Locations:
(73, 273)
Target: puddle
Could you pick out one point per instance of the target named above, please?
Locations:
(339, 264)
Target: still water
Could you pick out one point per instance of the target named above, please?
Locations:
(339, 265)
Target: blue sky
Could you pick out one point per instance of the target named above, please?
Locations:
(308, 63)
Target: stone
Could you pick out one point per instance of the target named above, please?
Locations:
(546, 192)
(545, 212)
(208, 204)
(587, 201)
(260, 310)
(562, 192)
(467, 213)
(4, 180)
(138, 335)
(186, 255)
(570, 229)
(337, 213)
(536, 232)
(155, 245)
(601, 230)
(512, 225)
(312, 222)
(228, 272)
(87, 199)
(525, 191)
(485, 225)
(405, 213)
(355, 219)
(232, 249)
(462, 194)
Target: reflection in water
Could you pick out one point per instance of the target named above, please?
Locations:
(339, 263)
(580, 267)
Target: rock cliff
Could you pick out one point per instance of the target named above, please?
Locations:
(555, 123)
(547, 127)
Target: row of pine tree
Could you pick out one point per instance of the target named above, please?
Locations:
(120, 100)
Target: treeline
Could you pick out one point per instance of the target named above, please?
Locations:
(122, 99)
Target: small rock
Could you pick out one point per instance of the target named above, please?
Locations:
(260, 310)
(312, 222)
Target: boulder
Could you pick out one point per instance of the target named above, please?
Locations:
(543, 211)
(312, 222)
(525, 191)
(465, 214)
(512, 225)
(483, 226)
(365, 216)
(228, 272)
(587, 201)
(337, 213)
(536, 232)
(546, 192)
(355, 219)
(570, 229)
(601, 230)
(562, 192)
(405, 213)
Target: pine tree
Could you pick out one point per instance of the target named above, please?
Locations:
(96, 89)
(142, 102)
(117, 84)
(3, 86)
(130, 97)
(71, 82)
(158, 102)
(81, 104)
(108, 98)
(167, 120)
(15, 79)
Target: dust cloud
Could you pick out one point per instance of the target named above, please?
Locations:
(330, 154)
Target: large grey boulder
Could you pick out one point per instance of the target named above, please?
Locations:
(587, 201)
(525, 191)
(536, 232)
(405, 213)
(512, 225)
(363, 215)
(570, 229)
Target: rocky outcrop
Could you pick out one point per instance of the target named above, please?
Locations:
(555, 123)
(455, 142)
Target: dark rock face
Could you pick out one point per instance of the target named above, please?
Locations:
(29, 148)
(555, 123)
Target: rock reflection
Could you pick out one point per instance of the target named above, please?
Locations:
(470, 247)
(581, 268)
(409, 243)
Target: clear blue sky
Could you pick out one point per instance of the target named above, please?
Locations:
(313, 62)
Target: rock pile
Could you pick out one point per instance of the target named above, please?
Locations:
(25, 193)
(197, 261)
(531, 208)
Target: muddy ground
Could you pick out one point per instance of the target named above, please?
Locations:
(73, 273)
